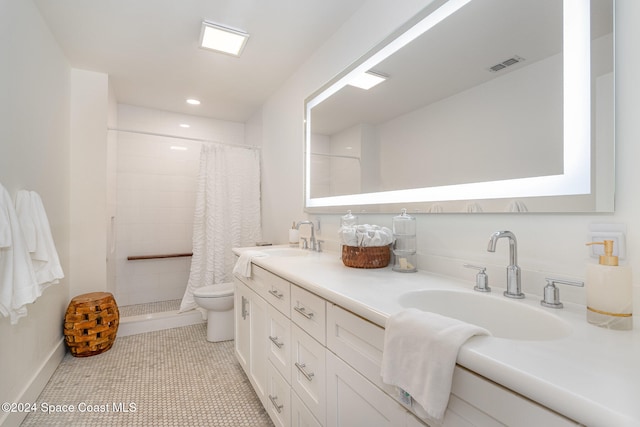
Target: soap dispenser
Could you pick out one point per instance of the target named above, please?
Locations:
(608, 285)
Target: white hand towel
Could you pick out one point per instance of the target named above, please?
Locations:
(420, 352)
(18, 286)
(243, 265)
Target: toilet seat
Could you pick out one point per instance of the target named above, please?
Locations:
(214, 291)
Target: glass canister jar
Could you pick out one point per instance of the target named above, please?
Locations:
(348, 220)
(404, 247)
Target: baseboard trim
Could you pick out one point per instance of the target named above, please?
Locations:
(36, 384)
(140, 324)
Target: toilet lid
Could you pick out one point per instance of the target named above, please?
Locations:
(214, 291)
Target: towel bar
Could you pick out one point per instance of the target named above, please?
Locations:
(137, 257)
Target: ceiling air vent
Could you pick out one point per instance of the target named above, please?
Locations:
(506, 63)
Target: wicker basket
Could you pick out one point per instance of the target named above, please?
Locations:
(366, 257)
(91, 323)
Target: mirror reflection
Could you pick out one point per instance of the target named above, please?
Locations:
(480, 97)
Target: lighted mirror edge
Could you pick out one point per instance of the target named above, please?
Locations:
(576, 179)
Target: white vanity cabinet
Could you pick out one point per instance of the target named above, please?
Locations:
(313, 363)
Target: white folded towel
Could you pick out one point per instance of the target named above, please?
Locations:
(243, 265)
(420, 352)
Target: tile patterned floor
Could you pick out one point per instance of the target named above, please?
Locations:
(148, 308)
(166, 378)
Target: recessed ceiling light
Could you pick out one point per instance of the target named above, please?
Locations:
(222, 39)
(178, 148)
(184, 125)
(367, 80)
(192, 101)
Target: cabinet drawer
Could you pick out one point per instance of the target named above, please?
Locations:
(308, 312)
(308, 372)
(475, 397)
(356, 341)
(278, 293)
(272, 288)
(301, 416)
(279, 342)
(278, 401)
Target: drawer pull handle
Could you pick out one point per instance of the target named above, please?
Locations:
(274, 402)
(276, 294)
(245, 312)
(275, 341)
(302, 311)
(307, 375)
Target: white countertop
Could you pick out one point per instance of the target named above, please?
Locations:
(591, 376)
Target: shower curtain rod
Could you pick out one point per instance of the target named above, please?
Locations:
(141, 132)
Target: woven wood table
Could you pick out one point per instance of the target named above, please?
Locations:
(91, 323)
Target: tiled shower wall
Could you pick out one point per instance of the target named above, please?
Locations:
(155, 204)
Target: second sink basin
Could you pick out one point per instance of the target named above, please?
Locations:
(503, 318)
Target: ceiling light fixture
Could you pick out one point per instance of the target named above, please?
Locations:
(222, 39)
(192, 101)
(367, 80)
(184, 125)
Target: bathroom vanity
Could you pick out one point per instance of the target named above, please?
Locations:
(310, 333)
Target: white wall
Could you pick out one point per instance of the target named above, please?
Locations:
(89, 120)
(156, 198)
(34, 155)
(548, 244)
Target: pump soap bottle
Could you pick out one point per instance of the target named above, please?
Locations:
(294, 236)
(608, 286)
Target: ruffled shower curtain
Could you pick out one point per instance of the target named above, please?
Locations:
(227, 214)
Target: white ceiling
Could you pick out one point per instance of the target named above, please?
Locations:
(149, 48)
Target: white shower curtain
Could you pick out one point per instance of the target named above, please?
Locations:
(227, 214)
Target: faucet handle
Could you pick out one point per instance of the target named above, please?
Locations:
(482, 280)
(305, 243)
(319, 245)
(551, 297)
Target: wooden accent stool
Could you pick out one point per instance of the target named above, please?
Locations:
(91, 323)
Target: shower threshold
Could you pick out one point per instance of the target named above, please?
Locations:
(155, 316)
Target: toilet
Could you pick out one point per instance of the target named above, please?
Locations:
(218, 301)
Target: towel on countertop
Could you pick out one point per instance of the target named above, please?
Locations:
(420, 352)
(37, 232)
(18, 284)
(243, 265)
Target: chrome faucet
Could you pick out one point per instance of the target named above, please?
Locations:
(513, 271)
(312, 239)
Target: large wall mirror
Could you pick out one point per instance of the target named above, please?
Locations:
(480, 106)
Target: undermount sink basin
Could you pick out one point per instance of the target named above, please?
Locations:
(288, 252)
(502, 317)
